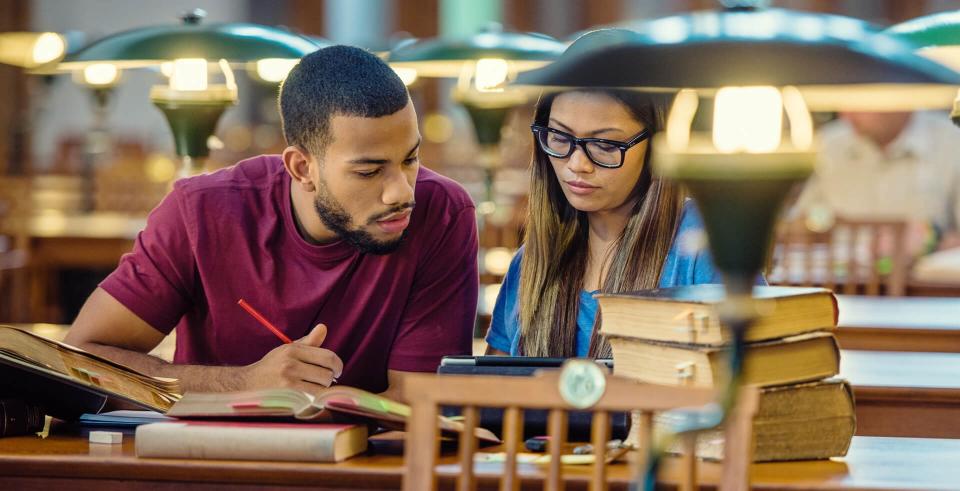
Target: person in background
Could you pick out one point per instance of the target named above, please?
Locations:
(890, 166)
(598, 220)
(344, 242)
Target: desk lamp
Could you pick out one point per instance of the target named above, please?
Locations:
(936, 37)
(199, 60)
(739, 134)
(483, 64)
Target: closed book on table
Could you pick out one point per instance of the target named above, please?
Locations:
(793, 359)
(251, 441)
(689, 314)
(815, 420)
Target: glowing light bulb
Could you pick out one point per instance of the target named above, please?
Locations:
(189, 74)
(48, 47)
(274, 70)
(490, 74)
(747, 119)
(681, 116)
(407, 75)
(100, 74)
(801, 124)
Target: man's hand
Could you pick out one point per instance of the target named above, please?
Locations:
(302, 365)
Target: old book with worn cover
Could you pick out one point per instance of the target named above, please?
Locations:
(795, 422)
(293, 404)
(800, 358)
(688, 314)
(67, 381)
(251, 441)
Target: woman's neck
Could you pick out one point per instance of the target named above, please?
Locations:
(604, 230)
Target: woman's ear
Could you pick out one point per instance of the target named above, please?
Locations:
(297, 162)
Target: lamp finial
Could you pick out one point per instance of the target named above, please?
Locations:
(744, 5)
(193, 17)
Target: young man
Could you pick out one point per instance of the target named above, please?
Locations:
(344, 242)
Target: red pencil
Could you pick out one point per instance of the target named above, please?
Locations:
(263, 320)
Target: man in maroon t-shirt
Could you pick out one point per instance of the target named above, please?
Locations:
(344, 242)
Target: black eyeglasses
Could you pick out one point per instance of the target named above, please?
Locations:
(608, 154)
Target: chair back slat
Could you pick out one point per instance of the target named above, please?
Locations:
(688, 462)
(808, 251)
(852, 265)
(874, 238)
(512, 437)
(557, 433)
(468, 447)
(830, 266)
(897, 282)
(420, 448)
(643, 422)
(738, 442)
(599, 436)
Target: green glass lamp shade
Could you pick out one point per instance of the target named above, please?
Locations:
(192, 123)
(448, 58)
(235, 42)
(444, 57)
(936, 37)
(942, 29)
(837, 62)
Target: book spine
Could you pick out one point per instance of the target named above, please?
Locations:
(18, 417)
(184, 440)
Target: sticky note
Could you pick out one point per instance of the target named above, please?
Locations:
(108, 437)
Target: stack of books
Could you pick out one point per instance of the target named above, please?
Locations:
(673, 336)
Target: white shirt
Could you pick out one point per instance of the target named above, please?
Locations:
(916, 178)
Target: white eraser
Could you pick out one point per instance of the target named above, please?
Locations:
(110, 437)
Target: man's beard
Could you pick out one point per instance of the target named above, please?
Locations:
(336, 218)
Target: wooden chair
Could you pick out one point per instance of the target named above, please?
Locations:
(428, 392)
(852, 257)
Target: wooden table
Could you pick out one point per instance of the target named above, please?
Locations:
(905, 394)
(919, 288)
(899, 323)
(67, 461)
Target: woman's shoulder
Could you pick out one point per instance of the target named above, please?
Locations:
(689, 261)
(689, 216)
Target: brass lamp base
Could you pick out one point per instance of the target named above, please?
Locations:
(740, 197)
(193, 119)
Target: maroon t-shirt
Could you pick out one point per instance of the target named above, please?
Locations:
(231, 234)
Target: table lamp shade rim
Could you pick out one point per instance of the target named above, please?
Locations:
(710, 50)
(940, 29)
(503, 45)
(235, 42)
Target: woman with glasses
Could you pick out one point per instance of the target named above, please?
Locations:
(598, 220)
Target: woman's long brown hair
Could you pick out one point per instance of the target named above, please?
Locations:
(556, 251)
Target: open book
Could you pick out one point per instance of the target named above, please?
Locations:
(68, 381)
(291, 403)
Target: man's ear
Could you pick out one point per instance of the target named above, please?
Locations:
(297, 163)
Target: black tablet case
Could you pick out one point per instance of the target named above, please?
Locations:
(534, 421)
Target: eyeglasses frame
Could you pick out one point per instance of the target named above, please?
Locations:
(582, 143)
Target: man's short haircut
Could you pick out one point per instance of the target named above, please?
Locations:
(338, 80)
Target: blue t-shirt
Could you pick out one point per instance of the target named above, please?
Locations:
(682, 267)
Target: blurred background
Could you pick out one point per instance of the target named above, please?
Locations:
(82, 163)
